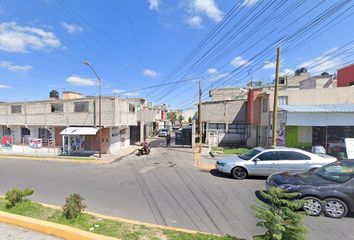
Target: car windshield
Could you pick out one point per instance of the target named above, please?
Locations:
(164, 130)
(249, 154)
(340, 172)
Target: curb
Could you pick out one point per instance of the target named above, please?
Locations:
(70, 159)
(69, 233)
(197, 161)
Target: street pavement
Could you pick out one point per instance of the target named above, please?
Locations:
(165, 188)
(11, 232)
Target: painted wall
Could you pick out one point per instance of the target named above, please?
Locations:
(292, 138)
(254, 106)
(345, 76)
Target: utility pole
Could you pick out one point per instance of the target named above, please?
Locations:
(200, 117)
(275, 108)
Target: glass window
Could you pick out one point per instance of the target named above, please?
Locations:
(283, 100)
(81, 106)
(341, 171)
(249, 154)
(240, 128)
(284, 155)
(213, 126)
(232, 128)
(267, 156)
(57, 107)
(16, 109)
(221, 127)
(265, 104)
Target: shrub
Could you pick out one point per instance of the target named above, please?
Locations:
(15, 196)
(73, 206)
(279, 217)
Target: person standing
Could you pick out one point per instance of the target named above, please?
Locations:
(168, 140)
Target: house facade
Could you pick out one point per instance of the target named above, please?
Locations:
(46, 120)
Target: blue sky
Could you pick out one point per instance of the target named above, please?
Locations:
(160, 49)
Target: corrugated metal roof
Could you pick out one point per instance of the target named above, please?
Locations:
(318, 108)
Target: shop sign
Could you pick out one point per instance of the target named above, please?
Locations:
(35, 143)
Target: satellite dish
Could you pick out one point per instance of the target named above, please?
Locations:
(242, 89)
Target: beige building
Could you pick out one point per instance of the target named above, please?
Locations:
(47, 119)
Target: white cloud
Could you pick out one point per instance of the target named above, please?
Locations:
(81, 81)
(151, 73)
(195, 22)
(215, 75)
(117, 91)
(15, 38)
(53, 85)
(209, 8)
(154, 5)
(132, 94)
(249, 2)
(322, 63)
(286, 72)
(270, 66)
(15, 68)
(238, 61)
(73, 29)
(3, 86)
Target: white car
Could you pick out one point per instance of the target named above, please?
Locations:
(164, 132)
(264, 161)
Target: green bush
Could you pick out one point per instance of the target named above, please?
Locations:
(73, 206)
(279, 216)
(15, 196)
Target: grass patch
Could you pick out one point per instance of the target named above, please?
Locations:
(232, 151)
(92, 159)
(106, 227)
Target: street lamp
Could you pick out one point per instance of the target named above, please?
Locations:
(99, 80)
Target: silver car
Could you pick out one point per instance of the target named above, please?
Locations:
(263, 161)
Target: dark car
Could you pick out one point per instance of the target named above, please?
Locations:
(332, 184)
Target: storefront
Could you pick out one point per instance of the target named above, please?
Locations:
(324, 125)
(74, 139)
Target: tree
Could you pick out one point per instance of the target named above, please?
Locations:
(279, 217)
(172, 116)
(180, 118)
(190, 120)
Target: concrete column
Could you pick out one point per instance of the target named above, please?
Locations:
(193, 133)
(142, 131)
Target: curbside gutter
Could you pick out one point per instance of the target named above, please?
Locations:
(69, 233)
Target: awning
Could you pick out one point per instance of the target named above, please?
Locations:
(79, 131)
(319, 115)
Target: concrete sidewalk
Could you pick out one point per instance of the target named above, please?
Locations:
(205, 159)
(90, 158)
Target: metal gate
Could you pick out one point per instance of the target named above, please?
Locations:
(213, 139)
(134, 134)
(262, 136)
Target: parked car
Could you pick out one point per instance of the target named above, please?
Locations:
(332, 184)
(176, 126)
(263, 161)
(164, 132)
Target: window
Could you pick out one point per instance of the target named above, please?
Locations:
(7, 131)
(218, 126)
(267, 156)
(25, 131)
(16, 109)
(81, 106)
(240, 128)
(232, 128)
(265, 104)
(131, 108)
(281, 80)
(57, 107)
(283, 100)
(293, 156)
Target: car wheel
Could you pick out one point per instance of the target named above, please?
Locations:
(313, 207)
(239, 173)
(335, 208)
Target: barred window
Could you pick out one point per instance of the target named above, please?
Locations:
(81, 106)
(218, 126)
(16, 109)
(57, 107)
(236, 128)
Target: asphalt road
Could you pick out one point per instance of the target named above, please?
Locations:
(163, 188)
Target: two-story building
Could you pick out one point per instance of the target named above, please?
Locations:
(69, 124)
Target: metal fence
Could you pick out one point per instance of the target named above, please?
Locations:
(25, 144)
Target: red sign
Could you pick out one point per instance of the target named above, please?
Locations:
(6, 140)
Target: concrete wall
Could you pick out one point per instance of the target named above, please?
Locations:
(316, 96)
(230, 93)
(189, 113)
(317, 82)
(232, 111)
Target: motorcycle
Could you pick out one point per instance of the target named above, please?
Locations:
(142, 151)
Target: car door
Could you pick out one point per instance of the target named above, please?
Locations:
(264, 164)
(292, 161)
